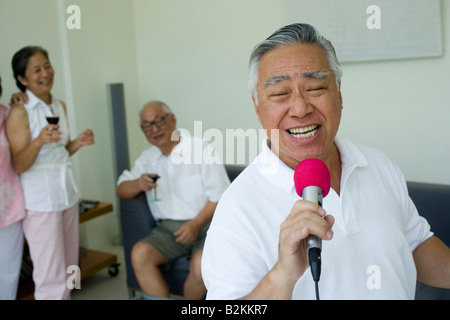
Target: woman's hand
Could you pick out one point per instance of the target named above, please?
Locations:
(18, 98)
(86, 138)
(49, 134)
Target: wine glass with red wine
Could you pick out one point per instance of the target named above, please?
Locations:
(53, 118)
(155, 177)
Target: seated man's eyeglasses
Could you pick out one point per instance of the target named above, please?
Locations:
(147, 126)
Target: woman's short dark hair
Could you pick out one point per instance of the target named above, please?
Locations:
(20, 62)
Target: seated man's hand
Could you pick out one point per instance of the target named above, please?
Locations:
(187, 233)
(146, 183)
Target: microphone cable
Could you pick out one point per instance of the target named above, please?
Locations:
(315, 265)
(317, 289)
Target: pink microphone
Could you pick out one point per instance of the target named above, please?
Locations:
(312, 172)
(312, 183)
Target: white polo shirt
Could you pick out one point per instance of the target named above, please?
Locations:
(376, 229)
(189, 177)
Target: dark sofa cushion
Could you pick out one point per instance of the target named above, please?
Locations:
(433, 203)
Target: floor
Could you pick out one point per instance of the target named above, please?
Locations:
(102, 286)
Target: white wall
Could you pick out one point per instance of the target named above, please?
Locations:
(20, 27)
(101, 52)
(193, 55)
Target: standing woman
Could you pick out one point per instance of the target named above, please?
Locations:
(12, 211)
(40, 154)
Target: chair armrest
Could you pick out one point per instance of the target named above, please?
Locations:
(136, 222)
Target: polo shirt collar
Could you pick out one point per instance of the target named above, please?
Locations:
(279, 174)
(351, 158)
(176, 151)
(34, 101)
(275, 170)
(350, 153)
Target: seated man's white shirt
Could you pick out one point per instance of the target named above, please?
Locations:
(189, 177)
(376, 230)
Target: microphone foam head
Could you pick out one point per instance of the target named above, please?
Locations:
(312, 172)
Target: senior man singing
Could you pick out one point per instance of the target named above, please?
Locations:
(255, 247)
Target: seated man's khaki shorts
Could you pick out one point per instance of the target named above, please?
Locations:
(163, 240)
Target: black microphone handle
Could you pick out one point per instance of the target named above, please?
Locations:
(314, 243)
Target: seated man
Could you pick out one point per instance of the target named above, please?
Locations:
(188, 193)
(256, 246)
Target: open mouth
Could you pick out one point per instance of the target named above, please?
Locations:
(304, 132)
(158, 136)
(45, 82)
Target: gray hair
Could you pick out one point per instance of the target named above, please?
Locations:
(288, 35)
(164, 106)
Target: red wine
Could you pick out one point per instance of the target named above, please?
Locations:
(53, 120)
(155, 177)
